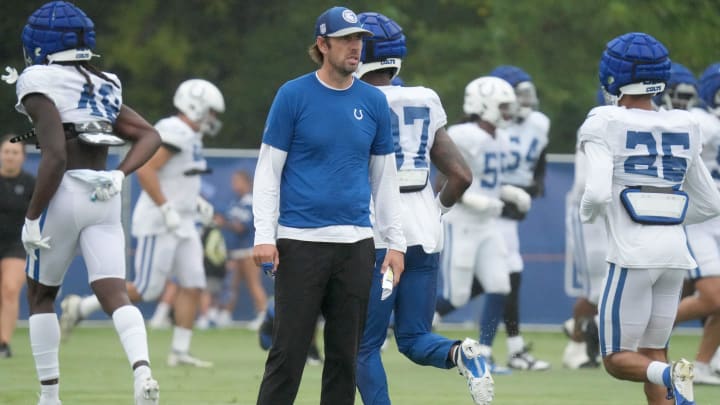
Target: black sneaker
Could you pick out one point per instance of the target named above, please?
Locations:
(5, 350)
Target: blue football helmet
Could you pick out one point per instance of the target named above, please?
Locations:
(634, 63)
(55, 27)
(385, 49)
(523, 85)
(710, 88)
(680, 90)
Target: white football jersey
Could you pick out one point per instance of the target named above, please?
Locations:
(416, 114)
(483, 153)
(710, 130)
(70, 92)
(180, 187)
(647, 148)
(525, 142)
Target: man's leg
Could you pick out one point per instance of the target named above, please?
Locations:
(371, 377)
(345, 309)
(300, 284)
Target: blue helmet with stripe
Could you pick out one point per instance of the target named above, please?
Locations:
(680, 90)
(55, 27)
(520, 80)
(709, 86)
(634, 63)
(385, 49)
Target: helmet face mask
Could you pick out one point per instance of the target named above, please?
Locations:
(201, 102)
(492, 99)
(58, 29)
(385, 49)
(634, 63)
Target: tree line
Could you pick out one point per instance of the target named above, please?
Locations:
(249, 48)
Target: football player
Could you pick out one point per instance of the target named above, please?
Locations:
(704, 238)
(680, 91)
(585, 269)
(646, 177)
(524, 167)
(78, 113)
(475, 248)
(164, 218)
(418, 125)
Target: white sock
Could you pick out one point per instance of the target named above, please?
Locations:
(181, 340)
(130, 327)
(142, 372)
(161, 311)
(45, 343)
(515, 344)
(89, 305)
(51, 392)
(656, 371)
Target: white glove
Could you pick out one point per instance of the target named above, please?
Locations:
(32, 239)
(11, 76)
(483, 204)
(205, 211)
(108, 189)
(170, 216)
(516, 195)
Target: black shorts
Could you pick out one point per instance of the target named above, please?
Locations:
(12, 248)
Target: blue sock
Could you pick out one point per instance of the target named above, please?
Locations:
(491, 315)
(666, 378)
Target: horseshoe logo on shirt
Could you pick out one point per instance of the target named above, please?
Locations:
(358, 114)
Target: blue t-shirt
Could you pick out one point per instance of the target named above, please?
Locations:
(240, 211)
(329, 136)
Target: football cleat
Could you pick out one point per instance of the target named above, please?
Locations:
(5, 350)
(472, 365)
(185, 359)
(70, 317)
(46, 401)
(147, 391)
(525, 361)
(575, 356)
(704, 375)
(682, 375)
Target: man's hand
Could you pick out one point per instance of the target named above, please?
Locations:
(109, 189)
(205, 211)
(266, 257)
(170, 216)
(396, 260)
(32, 239)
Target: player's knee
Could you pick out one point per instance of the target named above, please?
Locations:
(613, 366)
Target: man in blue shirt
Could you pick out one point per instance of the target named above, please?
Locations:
(327, 148)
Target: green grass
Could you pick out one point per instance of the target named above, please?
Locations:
(95, 371)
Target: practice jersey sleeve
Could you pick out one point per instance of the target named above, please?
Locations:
(704, 197)
(598, 185)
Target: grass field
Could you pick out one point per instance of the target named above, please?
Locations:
(95, 371)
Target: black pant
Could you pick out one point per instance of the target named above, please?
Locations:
(313, 278)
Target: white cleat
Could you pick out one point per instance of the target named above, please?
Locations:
(46, 401)
(472, 365)
(704, 375)
(682, 382)
(147, 392)
(185, 359)
(70, 317)
(525, 361)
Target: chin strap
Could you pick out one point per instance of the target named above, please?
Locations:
(72, 55)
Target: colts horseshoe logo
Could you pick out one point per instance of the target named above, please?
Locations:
(358, 114)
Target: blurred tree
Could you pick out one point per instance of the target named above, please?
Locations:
(250, 48)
